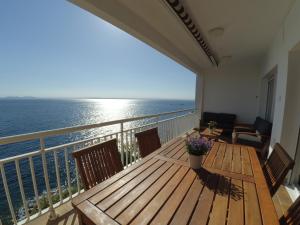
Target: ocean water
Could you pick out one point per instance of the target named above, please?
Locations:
(19, 116)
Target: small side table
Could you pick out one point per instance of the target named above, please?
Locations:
(212, 135)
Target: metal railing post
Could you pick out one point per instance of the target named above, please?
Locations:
(122, 142)
(45, 169)
(7, 193)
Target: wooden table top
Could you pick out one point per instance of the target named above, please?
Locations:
(215, 134)
(163, 189)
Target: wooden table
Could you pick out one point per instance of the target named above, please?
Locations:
(214, 135)
(162, 189)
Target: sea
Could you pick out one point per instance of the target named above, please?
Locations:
(20, 116)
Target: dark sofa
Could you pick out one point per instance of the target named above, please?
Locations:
(225, 121)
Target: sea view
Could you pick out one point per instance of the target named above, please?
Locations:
(19, 116)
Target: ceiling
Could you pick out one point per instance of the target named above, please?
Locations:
(249, 26)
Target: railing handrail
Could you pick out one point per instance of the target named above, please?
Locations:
(57, 147)
(60, 131)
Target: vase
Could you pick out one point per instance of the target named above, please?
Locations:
(196, 161)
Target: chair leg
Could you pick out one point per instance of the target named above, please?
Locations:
(234, 138)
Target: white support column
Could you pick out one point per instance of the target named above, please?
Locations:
(199, 92)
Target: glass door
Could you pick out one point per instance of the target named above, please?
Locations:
(270, 99)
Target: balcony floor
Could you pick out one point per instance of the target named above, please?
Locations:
(67, 215)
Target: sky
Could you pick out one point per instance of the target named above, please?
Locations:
(54, 49)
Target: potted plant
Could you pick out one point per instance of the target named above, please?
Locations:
(197, 148)
(212, 126)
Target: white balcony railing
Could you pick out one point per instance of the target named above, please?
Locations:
(48, 177)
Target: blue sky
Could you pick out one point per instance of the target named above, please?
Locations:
(55, 49)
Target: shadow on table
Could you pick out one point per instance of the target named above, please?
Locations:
(220, 184)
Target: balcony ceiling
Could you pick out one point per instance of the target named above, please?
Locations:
(249, 26)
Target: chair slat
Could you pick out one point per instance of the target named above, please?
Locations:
(276, 167)
(98, 162)
(148, 141)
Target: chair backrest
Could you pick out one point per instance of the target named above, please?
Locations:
(292, 215)
(276, 167)
(98, 162)
(148, 141)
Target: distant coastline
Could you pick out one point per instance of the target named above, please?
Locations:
(18, 98)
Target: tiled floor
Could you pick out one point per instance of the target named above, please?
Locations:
(282, 201)
(67, 215)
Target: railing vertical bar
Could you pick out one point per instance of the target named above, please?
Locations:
(22, 189)
(57, 176)
(36, 194)
(77, 177)
(130, 145)
(163, 131)
(76, 172)
(170, 130)
(6, 189)
(167, 130)
(126, 140)
(122, 144)
(162, 124)
(45, 170)
(134, 146)
(174, 129)
(68, 172)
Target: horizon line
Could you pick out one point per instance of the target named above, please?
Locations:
(75, 98)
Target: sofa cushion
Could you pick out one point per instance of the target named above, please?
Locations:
(256, 122)
(209, 116)
(264, 127)
(254, 141)
(226, 118)
(226, 121)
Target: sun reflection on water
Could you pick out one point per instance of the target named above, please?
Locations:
(103, 110)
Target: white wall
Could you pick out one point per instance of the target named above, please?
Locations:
(286, 39)
(233, 89)
(291, 119)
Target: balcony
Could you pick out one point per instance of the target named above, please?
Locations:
(246, 60)
(48, 178)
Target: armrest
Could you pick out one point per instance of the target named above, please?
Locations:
(236, 134)
(247, 133)
(243, 125)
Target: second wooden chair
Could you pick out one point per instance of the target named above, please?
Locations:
(98, 162)
(277, 167)
(148, 141)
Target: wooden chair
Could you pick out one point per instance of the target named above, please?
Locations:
(292, 216)
(148, 141)
(98, 162)
(276, 168)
